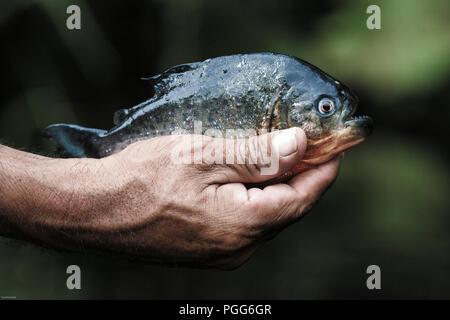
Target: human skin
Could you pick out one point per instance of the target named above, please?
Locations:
(141, 205)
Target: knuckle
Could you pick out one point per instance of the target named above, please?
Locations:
(259, 149)
(233, 243)
(242, 151)
(233, 264)
(253, 146)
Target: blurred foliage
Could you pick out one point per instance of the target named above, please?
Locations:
(390, 205)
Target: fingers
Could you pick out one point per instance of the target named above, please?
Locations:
(259, 158)
(287, 202)
(246, 160)
(310, 185)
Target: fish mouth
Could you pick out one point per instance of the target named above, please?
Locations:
(361, 125)
(356, 126)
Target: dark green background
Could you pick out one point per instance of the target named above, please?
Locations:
(389, 206)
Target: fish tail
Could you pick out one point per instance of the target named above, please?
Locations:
(75, 141)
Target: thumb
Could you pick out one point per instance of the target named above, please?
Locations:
(260, 158)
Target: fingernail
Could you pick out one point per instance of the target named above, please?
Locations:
(285, 142)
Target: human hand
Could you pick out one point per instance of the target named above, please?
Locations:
(140, 203)
(203, 215)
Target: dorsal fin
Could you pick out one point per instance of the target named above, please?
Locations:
(159, 81)
(120, 116)
(175, 69)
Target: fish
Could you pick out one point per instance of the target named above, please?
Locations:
(260, 91)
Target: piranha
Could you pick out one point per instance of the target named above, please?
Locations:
(260, 91)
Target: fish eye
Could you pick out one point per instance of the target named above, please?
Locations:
(326, 107)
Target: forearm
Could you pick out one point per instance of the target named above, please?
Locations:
(50, 200)
(20, 195)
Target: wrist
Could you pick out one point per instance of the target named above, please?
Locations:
(41, 198)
